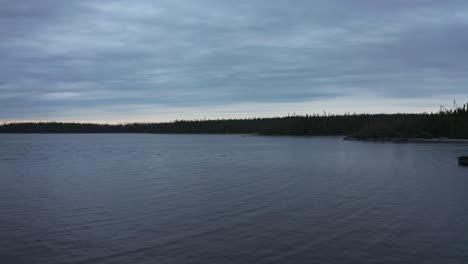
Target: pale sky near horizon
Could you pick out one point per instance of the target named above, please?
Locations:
(127, 61)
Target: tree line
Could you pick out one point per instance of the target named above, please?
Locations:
(445, 123)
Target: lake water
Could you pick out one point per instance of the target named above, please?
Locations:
(141, 198)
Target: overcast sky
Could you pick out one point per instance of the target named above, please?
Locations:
(117, 61)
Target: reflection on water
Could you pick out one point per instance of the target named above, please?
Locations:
(229, 199)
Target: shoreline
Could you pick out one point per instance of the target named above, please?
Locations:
(409, 140)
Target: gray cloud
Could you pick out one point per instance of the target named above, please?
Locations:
(60, 57)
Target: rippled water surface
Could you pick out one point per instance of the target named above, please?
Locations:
(139, 198)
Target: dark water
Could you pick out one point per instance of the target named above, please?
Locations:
(229, 199)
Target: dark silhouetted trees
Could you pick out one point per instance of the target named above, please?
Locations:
(446, 123)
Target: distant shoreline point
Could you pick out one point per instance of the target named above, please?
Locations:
(406, 140)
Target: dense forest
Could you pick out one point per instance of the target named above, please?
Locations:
(446, 123)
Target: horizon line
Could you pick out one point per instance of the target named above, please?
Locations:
(203, 119)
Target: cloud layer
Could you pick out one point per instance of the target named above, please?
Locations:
(159, 60)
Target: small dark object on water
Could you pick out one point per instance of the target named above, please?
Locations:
(463, 160)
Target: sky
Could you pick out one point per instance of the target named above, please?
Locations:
(145, 61)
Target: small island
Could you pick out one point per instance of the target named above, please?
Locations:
(463, 161)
